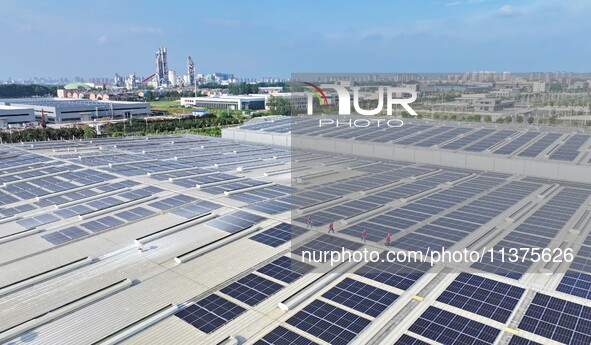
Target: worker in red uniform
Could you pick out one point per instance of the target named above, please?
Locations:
(309, 222)
(363, 235)
(331, 228)
(388, 238)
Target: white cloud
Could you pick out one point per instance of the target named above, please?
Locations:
(103, 39)
(455, 3)
(149, 30)
(507, 11)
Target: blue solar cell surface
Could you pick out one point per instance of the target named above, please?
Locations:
(329, 323)
(399, 275)
(362, 297)
(557, 319)
(406, 339)
(285, 269)
(251, 289)
(449, 328)
(210, 313)
(482, 296)
(283, 336)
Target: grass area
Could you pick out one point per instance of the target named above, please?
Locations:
(173, 107)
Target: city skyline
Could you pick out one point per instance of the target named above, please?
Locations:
(261, 39)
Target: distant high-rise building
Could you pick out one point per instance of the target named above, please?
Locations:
(190, 71)
(118, 81)
(130, 82)
(171, 78)
(161, 66)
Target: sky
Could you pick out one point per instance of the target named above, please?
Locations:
(259, 38)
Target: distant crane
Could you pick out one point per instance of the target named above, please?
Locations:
(148, 78)
(43, 124)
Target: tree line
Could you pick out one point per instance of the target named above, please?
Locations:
(43, 134)
(29, 90)
(140, 126)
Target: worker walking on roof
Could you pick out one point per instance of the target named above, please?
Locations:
(331, 228)
(363, 235)
(388, 238)
(309, 222)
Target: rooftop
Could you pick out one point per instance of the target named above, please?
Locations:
(222, 228)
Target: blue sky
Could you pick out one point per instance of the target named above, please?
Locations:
(274, 38)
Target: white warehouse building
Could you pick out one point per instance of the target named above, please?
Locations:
(242, 102)
(59, 110)
(10, 114)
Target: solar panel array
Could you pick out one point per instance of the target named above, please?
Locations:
(537, 231)
(316, 247)
(285, 269)
(399, 275)
(423, 134)
(235, 221)
(554, 318)
(570, 149)
(340, 313)
(482, 296)
(360, 296)
(210, 313)
(329, 323)
(278, 235)
(516, 143)
(251, 289)
(448, 328)
(284, 336)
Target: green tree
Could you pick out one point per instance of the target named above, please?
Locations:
(530, 119)
(89, 132)
(519, 119)
(279, 106)
(487, 118)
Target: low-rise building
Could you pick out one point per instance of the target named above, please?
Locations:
(59, 110)
(491, 104)
(242, 102)
(506, 92)
(14, 114)
(540, 87)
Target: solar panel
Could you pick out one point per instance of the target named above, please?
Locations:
(194, 210)
(101, 224)
(517, 340)
(399, 275)
(540, 145)
(418, 242)
(65, 235)
(406, 339)
(251, 289)
(515, 144)
(283, 336)
(329, 323)
(569, 151)
(278, 234)
(362, 297)
(315, 247)
(496, 264)
(235, 221)
(448, 328)
(210, 313)
(554, 318)
(482, 296)
(463, 141)
(285, 269)
(576, 283)
(489, 141)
